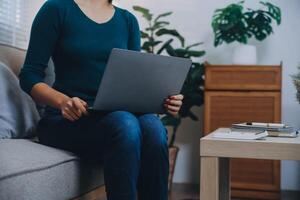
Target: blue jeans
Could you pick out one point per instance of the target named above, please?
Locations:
(133, 149)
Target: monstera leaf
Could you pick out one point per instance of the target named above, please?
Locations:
(232, 23)
(273, 11)
(229, 24)
(259, 24)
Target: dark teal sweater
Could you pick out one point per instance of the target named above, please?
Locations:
(79, 47)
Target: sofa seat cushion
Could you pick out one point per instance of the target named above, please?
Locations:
(34, 171)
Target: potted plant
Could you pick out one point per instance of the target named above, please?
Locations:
(159, 39)
(235, 23)
(296, 80)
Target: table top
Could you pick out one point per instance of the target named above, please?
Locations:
(269, 148)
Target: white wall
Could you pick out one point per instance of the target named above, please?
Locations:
(192, 18)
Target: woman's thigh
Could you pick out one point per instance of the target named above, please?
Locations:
(83, 136)
(88, 135)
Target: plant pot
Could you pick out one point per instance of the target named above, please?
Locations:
(244, 55)
(173, 152)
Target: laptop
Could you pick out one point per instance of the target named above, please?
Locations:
(139, 82)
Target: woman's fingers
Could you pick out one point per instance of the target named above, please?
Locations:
(79, 105)
(172, 108)
(71, 109)
(71, 113)
(83, 103)
(174, 102)
(67, 116)
(177, 97)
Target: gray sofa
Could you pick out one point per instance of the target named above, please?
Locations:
(31, 171)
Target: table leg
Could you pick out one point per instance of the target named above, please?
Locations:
(214, 180)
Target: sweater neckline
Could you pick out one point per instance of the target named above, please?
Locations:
(90, 19)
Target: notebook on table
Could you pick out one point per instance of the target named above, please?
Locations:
(241, 135)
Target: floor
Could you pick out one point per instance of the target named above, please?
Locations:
(191, 192)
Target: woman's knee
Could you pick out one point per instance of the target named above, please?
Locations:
(123, 125)
(153, 130)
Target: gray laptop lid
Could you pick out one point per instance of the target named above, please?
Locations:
(139, 82)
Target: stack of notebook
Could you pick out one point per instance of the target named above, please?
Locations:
(254, 131)
(240, 135)
(273, 129)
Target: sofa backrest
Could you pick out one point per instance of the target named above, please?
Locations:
(12, 57)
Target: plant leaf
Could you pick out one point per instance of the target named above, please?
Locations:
(172, 32)
(164, 46)
(146, 46)
(194, 45)
(184, 53)
(144, 34)
(162, 15)
(146, 13)
(149, 45)
(259, 24)
(196, 53)
(157, 25)
(170, 50)
(273, 11)
(229, 24)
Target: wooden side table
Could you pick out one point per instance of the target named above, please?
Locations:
(215, 154)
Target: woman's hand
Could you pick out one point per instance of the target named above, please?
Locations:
(73, 108)
(173, 104)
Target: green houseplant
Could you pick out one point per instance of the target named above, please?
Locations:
(158, 38)
(237, 23)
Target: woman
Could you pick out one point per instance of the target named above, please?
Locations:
(79, 35)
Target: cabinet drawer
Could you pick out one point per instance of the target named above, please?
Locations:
(235, 77)
(224, 108)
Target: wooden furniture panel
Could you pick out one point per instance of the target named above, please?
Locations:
(235, 94)
(224, 108)
(266, 171)
(232, 77)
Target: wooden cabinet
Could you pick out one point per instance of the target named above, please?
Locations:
(235, 94)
